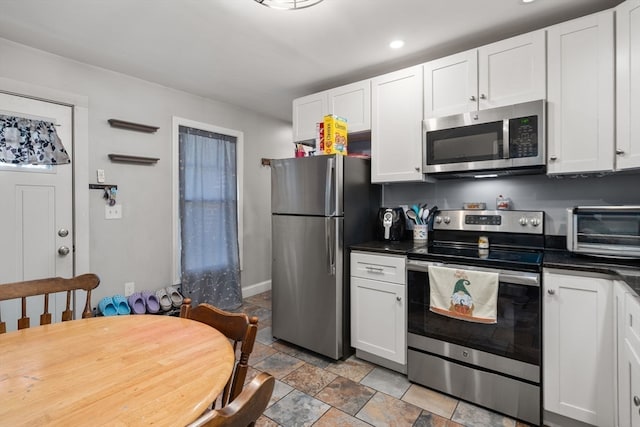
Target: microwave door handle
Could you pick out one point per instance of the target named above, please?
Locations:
(570, 238)
(505, 139)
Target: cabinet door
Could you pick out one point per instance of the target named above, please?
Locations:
(512, 71)
(352, 102)
(307, 111)
(396, 126)
(628, 84)
(581, 95)
(451, 85)
(629, 363)
(377, 318)
(578, 352)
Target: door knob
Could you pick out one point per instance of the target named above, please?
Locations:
(483, 96)
(63, 232)
(63, 250)
(398, 299)
(472, 98)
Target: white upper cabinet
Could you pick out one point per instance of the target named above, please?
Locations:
(628, 85)
(307, 111)
(396, 126)
(580, 102)
(507, 72)
(352, 102)
(451, 84)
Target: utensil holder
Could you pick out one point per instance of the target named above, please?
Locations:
(420, 232)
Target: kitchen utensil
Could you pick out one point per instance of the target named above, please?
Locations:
(425, 215)
(432, 212)
(412, 216)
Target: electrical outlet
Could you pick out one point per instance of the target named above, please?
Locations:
(129, 288)
(113, 212)
(100, 176)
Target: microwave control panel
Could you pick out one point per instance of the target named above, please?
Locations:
(523, 137)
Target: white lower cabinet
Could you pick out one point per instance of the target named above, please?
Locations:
(378, 308)
(628, 358)
(578, 348)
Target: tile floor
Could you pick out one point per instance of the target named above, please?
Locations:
(314, 391)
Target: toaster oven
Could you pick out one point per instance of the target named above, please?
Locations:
(609, 231)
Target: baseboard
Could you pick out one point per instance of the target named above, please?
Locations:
(255, 289)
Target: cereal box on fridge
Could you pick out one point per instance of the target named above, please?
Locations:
(335, 135)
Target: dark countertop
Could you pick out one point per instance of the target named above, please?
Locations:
(626, 270)
(396, 248)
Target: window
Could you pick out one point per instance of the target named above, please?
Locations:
(207, 212)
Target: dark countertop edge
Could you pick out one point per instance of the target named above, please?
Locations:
(628, 271)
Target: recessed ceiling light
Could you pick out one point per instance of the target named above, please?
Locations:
(527, 1)
(396, 44)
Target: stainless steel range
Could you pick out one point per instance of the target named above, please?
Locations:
(493, 365)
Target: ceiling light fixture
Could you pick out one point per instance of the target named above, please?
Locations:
(527, 1)
(396, 44)
(288, 4)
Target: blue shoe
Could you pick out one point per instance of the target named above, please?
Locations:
(107, 307)
(122, 306)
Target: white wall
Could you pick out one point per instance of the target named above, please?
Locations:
(137, 248)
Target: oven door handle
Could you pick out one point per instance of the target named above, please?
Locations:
(505, 276)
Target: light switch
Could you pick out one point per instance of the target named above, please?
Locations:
(100, 176)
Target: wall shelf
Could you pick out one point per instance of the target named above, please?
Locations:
(121, 124)
(125, 158)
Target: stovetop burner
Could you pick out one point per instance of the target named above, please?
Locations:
(520, 237)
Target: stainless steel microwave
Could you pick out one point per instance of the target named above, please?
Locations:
(610, 231)
(499, 140)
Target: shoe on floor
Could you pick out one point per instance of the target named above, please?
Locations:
(107, 307)
(174, 295)
(151, 302)
(136, 302)
(163, 298)
(121, 305)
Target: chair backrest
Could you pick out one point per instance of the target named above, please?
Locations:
(239, 328)
(245, 409)
(30, 288)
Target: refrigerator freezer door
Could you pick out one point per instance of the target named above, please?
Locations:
(307, 282)
(307, 186)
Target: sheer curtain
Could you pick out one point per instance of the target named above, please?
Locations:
(209, 219)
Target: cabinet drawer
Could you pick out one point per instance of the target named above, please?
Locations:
(386, 268)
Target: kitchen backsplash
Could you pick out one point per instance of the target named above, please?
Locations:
(527, 192)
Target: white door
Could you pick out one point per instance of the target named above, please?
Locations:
(36, 214)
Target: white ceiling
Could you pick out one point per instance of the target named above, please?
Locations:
(243, 53)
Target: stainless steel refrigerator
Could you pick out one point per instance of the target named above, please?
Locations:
(320, 205)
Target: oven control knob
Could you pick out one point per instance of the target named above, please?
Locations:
(523, 221)
(447, 220)
(438, 219)
(534, 221)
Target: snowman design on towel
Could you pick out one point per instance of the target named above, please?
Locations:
(461, 300)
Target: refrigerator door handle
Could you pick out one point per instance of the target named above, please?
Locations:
(328, 242)
(329, 209)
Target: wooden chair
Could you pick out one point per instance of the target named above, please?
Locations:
(239, 328)
(245, 409)
(30, 288)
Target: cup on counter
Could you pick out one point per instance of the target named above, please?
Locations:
(420, 232)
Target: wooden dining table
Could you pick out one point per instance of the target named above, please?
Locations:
(112, 371)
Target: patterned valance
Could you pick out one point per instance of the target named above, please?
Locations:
(30, 142)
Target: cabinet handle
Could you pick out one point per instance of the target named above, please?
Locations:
(472, 98)
(551, 292)
(553, 157)
(482, 96)
(374, 269)
(400, 299)
(636, 400)
(417, 168)
(619, 151)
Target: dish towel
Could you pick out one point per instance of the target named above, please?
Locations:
(464, 294)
